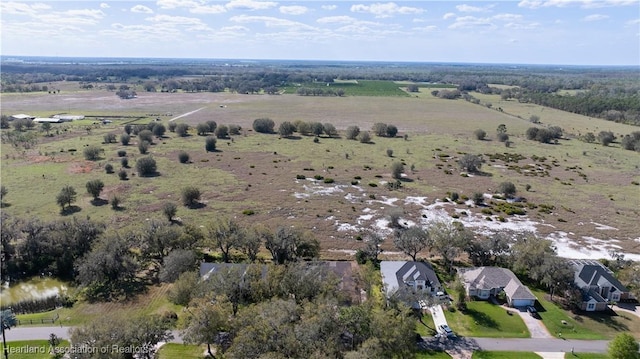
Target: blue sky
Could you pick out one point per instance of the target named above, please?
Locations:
(592, 32)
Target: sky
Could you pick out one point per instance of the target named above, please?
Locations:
(571, 32)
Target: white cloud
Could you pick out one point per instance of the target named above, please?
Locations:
(190, 23)
(272, 22)
(141, 9)
(507, 17)
(16, 8)
(293, 10)
(329, 7)
(595, 17)
(430, 28)
(194, 7)
(386, 10)
(466, 22)
(104, 6)
(633, 22)
(343, 19)
(586, 4)
(469, 8)
(250, 5)
(448, 15)
(510, 21)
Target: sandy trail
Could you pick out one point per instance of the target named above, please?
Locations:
(186, 114)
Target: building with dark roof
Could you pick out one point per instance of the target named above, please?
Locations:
(598, 285)
(412, 277)
(484, 282)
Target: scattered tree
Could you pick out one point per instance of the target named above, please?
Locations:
(178, 261)
(470, 163)
(330, 130)
(225, 234)
(448, 240)
(263, 125)
(206, 320)
(365, 137)
(222, 131)
(397, 169)
(172, 126)
(92, 153)
(623, 346)
(94, 187)
(606, 137)
(502, 128)
(108, 168)
(379, 129)
(534, 119)
(145, 135)
(183, 157)
(146, 166)
(182, 129)
(66, 197)
(210, 144)
(508, 189)
(478, 198)
(159, 130)
(503, 137)
(412, 241)
(125, 139)
(286, 129)
(392, 131)
(122, 174)
(169, 209)
(143, 147)
(115, 202)
(480, 134)
(352, 132)
(202, 129)
(3, 192)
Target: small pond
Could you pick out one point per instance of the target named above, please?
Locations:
(34, 288)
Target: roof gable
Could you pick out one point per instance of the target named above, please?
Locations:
(487, 278)
(594, 274)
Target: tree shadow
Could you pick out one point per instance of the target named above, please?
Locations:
(151, 175)
(5, 205)
(295, 138)
(196, 205)
(482, 319)
(98, 202)
(70, 210)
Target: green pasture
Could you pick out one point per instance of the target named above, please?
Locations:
(355, 88)
(31, 349)
(483, 319)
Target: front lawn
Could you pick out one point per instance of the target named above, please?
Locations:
(585, 325)
(586, 356)
(174, 350)
(483, 319)
(425, 327)
(31, 349)
(504, 355)
(432, 354)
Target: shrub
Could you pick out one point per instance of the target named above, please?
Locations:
(379, 129)
(122, 153)
(397, 168)
(109, 138)
(115, 202)
(234, 130)
(127, 129)
(480, 134)
(92, 153)
(318, 177)
(222, 131)
(470, 163)
(328, 180)
(190, 196)
(303, 128)
(352, 132)
(172, 126)
(248, 212)
(122, 174)
(301, 177)
(146, 166)
(202, 129)
(212, 125)
(286, 129)
(606, 137)
(108, 168)
(316, 139)
(159, 130)
(145, 135)
(534, 119)
(125, 139)
(389, 152)
(507, 188)
(263, 125)
(124, 162)
(531, 133)
(330, 130)
(182, 129)
(503, 137)
(183, 157)
(392, 131)
(454, 196)
(316, 128)
(365, 137)
(143, 147)
(478, 198)
(169, 209)
(210, 144)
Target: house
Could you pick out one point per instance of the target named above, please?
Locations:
(69, 118)
(47, 120)
(484, 282)
(415, 277)
(598, 285)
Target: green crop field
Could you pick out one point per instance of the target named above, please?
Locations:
(355, 88)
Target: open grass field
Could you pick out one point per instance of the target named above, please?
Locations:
(356, 88)
(589, 186)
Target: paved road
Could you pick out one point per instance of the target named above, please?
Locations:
(528, 345)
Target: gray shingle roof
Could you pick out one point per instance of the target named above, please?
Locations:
(488, 278)
(395, 273)
(594, 274)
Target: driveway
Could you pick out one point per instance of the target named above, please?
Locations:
(536, 326)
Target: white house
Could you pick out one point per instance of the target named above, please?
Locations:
(598, 285)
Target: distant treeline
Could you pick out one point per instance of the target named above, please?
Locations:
(609, 92)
